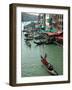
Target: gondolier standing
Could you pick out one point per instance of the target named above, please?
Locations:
(44, 60)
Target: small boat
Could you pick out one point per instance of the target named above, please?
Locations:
(49, 68)
(38, 42)
(28, 39)
(26, 35)
(42, 42)
(39, 36)
(28, 43)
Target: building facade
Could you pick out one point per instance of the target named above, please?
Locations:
(57, 20)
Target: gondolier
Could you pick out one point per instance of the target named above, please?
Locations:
(44, 60)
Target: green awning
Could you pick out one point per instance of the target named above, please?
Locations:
(52, 30)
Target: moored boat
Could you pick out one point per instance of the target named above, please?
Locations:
(28, 39)
(40, 42)
(28, 43)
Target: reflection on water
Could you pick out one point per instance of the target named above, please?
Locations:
(31, 62)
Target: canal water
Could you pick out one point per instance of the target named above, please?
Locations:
(31, 61)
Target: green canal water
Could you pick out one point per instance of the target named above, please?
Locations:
(31, 62)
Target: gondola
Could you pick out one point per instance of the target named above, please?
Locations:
(42, 42)
(28, 43)
(27, 39)
(39, 42)
(51, 70)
